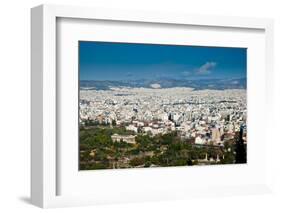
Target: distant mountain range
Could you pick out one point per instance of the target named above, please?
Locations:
(216, 84)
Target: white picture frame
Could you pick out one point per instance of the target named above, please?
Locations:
(44, 149)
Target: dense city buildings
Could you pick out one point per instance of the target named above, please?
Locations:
(208, 116)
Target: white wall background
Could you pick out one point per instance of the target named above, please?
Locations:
(15, 98)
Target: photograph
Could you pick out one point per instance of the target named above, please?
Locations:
(161, 105)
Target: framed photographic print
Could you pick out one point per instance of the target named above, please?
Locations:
(149, 106)
(152, 105)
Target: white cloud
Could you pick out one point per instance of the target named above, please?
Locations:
(206, 68)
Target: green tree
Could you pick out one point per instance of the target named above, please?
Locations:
(137, 161)
(240, 148)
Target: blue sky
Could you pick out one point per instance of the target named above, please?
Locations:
(128, 61)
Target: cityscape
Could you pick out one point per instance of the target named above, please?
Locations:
(139, 109)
